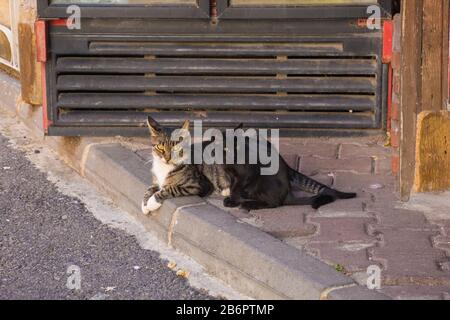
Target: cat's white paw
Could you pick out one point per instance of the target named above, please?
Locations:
(226, 192)
(150, 206)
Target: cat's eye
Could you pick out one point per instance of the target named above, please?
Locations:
(160, 148)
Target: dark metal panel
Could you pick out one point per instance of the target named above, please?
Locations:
(216, 66)
(227, 30)
(47, 10)
(215, 84)
(230, 102)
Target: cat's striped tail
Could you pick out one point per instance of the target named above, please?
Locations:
(305, 183)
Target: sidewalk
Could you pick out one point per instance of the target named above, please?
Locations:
(410, 242)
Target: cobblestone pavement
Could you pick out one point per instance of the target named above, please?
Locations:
(410, 242)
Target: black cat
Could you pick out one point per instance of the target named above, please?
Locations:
(252, 191)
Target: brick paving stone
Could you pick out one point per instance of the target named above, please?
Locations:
(313, 148)
(310, 165)
(320, 150)
(445, 225)
(446, 231)
(291, 159)
(325, 178)
(340, 230)
(352, 150)
(285, 222)
(409, 253)
(348, 181)
(442, 242)
(405, 219)
(383, 166)
(415, 292)
(445, 266)
(353, 257)
(381, 202)
(345, 208)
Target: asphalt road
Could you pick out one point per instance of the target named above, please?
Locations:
(43, 232)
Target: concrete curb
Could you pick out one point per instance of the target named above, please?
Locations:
(246, 258)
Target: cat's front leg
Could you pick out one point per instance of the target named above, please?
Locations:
(150, 191)
(155, 201)
(233, 200)
(148, 194)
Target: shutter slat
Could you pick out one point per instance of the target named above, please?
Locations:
(215, 84)
(216, 49)
(217, 66)
(211, 101)
(255, 119)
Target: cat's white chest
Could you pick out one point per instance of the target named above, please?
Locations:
(161, 170)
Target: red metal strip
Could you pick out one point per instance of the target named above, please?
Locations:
(40, 29)
(58, 22)
(41, 56)
(46, 121)
(388, 33)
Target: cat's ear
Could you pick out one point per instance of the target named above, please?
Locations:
(186, 125)
(153, 126)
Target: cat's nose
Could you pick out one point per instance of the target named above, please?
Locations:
(167, 158)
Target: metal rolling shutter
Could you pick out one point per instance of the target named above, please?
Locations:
(105, 79)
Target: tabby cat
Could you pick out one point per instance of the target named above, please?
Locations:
(242, 184)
